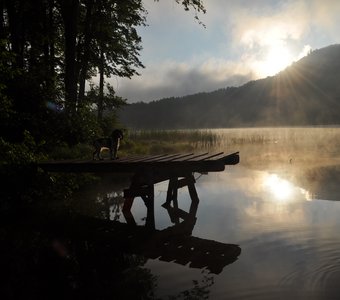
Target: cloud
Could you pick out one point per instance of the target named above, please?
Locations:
(306, 50)
(182, 57)
(326, 14)
(178, 79)
(288, 20)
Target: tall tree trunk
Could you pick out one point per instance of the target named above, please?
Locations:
(48, 47)
(47, 29)
(101, 86)
(84, 62)
(51, 41)
(69, 11)
(2, 25)
(15, 31)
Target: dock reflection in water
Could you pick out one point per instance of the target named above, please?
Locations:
(176, 244)
(277, 211)
(77, 256)
(171, 245)
(289, 237)
(288, 230)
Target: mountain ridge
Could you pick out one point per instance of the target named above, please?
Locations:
(305, 93)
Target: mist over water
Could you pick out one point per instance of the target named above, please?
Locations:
(275, 204)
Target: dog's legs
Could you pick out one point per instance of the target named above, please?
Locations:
(96, 153)
(97, 148)
(115, 149)
(111, 148)
(99, 156)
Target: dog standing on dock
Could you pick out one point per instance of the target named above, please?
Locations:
(111, 143)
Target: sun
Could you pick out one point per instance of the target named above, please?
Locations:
(277, 58)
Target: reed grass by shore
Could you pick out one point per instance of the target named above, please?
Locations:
(256, 144)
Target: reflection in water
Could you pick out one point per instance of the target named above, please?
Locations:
(322, 181)
(282, 189)
(172, 244)
(290, 241)
(290, 246)
(290, 238)
(91, 258)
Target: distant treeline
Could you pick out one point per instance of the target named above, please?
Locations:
(305, 93)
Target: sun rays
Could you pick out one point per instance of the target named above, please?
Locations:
(277, 59)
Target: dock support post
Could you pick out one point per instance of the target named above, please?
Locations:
(128, 203)
(149, 202)
(129, 217)
(175, 184)
(141, 188)
(172, 190)
(145, 189)
(192, 189)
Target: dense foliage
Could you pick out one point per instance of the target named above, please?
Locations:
(50, 52)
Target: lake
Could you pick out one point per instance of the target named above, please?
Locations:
(279, 206)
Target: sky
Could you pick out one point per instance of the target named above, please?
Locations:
(242, 40)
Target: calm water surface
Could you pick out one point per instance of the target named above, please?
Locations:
(279, 206)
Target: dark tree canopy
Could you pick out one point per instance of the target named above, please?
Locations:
(50, 50)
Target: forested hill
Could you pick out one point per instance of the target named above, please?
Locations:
(305, 93)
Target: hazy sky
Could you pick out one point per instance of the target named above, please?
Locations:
(243, 40)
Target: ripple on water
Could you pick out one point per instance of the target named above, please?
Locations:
(298, 264)
(317, 266)
(319, 271)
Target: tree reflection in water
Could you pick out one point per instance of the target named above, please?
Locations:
(71, 256)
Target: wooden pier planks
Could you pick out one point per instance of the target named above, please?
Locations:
(181, 163)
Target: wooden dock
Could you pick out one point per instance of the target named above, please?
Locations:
(168, 163)
(146, 171)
